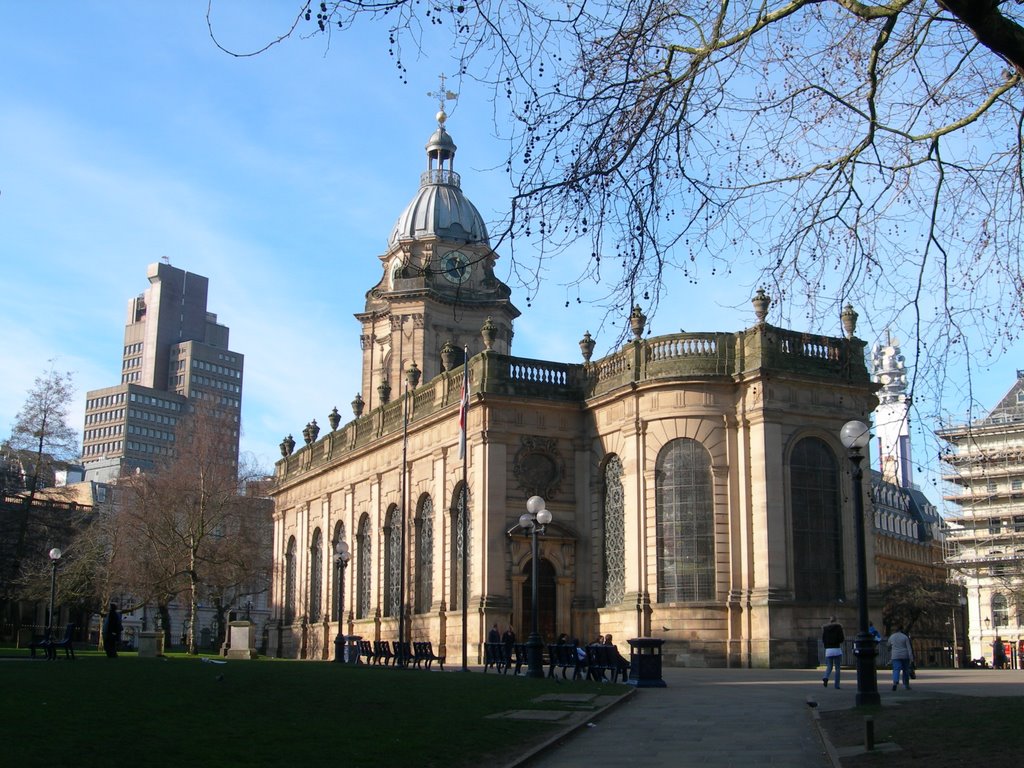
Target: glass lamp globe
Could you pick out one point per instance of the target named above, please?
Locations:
(855, 434)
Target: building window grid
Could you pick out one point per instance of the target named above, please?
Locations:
(817, 524)
(684, 511)
(614, 533)
(365, 567)
(316, 565)
(392, 562)
(425, 559)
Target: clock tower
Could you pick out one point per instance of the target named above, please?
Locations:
(437, 281)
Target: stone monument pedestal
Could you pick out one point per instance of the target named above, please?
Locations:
(240, 643)
(151, 644)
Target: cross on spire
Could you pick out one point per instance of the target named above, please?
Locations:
(442, 95)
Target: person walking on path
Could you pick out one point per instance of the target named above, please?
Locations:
(832, 638)
(998, 653)
(112, 631)
(902, 655)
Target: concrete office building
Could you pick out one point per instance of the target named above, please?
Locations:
(174, 351)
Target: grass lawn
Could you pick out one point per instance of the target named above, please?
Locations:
(936, 733)
(178, 711)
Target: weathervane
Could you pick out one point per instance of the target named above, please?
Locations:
(442, 95)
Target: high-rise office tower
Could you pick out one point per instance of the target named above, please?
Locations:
(174, 352)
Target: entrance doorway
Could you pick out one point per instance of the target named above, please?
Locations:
(545, 601)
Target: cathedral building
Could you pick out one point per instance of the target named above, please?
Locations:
(697, 484)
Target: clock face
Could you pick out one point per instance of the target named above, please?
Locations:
(455, 267)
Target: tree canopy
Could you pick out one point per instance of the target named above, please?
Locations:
(831, 151)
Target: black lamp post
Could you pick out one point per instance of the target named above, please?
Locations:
(341, 558)
(855, 436)
(534, 521)
(54, 557)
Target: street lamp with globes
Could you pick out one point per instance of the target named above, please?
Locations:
(341, 558)
(55, 555)
(533, 521)
(855, 436)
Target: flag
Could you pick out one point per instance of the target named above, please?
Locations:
(464, 405)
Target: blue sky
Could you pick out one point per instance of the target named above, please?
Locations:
(127, 136)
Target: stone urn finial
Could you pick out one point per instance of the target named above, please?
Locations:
(413, 374)
(587, 346)
(287, 446)
(306, 434)
(358, 405)
(849, 317)
(314, 431)
(449, 355)
(334, 418)
(384, 390)
(489, 332)
(637, 322)
(761, 302)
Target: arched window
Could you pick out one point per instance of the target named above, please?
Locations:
(338, 606)
(289, 582)
(1000, 611)
(817, 522)
(316, 570)
(614, 533)
(424, 554)
(392, 561)
(684, 510)
(460, 543)
(365, 566)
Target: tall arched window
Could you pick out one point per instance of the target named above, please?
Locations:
(1000, 611)
(289, 582)
(316, 569)
(424, 554)
(365, 566)
(460, 543)
(817, 522)
(684, 511)
(392, 561)
(614, 533)
(338, 604)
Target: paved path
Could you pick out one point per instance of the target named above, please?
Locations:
(719, 718)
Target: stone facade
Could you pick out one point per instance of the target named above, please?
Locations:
(699, 489)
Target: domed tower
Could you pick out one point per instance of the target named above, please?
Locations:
(892, 416)
(437, 282)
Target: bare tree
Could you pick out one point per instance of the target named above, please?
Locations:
(833, 151)
(40, 441)
(186, 530)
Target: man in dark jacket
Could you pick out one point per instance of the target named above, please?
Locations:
(112, 631)
(832, 638)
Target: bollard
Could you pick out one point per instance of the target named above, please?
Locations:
(869, 733)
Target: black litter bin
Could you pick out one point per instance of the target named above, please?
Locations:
(645, 662)
(346, 649)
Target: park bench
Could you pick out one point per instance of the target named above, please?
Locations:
(564, 657)
(602, 660)
(382, 652)
(366, 651)
(423, 653)
(49, 646)
(402, 652)
(518, 657)
(496, 656)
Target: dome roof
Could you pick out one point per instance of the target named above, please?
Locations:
(439, 208)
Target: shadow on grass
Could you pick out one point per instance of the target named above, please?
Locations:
(177, 710)
(940, 732)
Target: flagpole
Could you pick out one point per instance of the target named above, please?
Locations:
(465, 511)
(402, 545)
